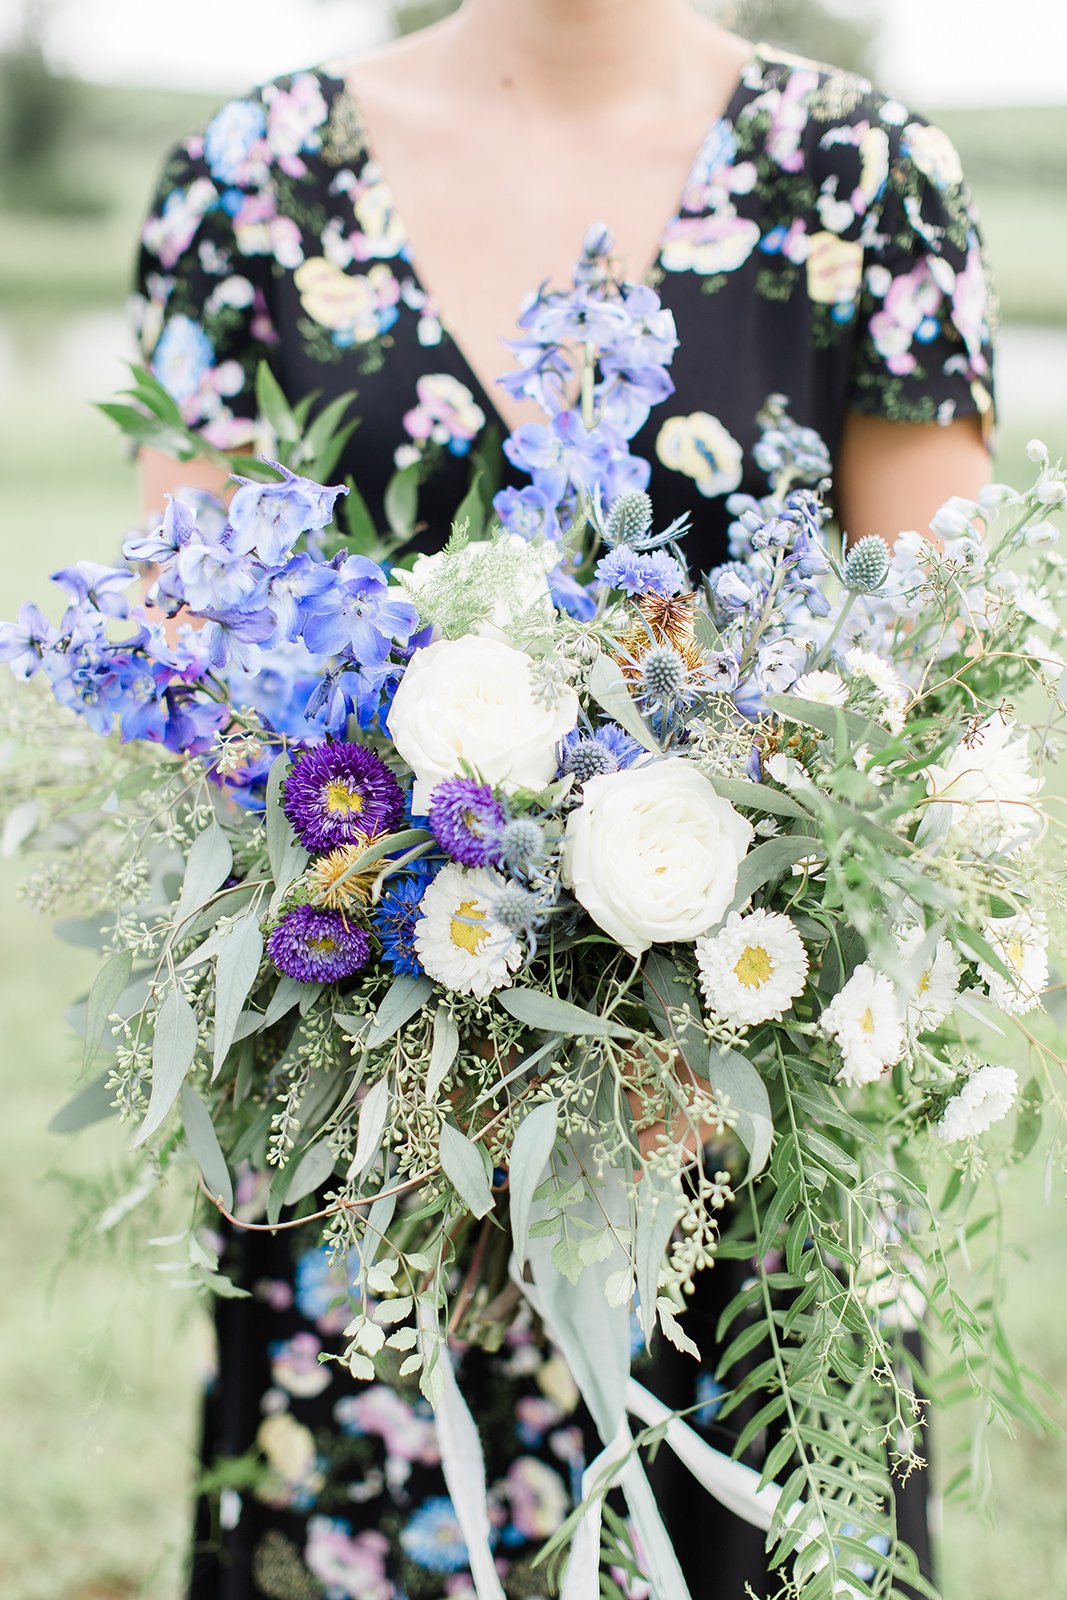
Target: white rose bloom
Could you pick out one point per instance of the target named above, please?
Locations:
(458, 942)
(652, 853)
(753, 968)
(935, 988)
(1021, 942)
(985, 1098)
(865, 1020)
(988, 787)
(471, 701)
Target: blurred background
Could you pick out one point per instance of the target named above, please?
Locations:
(98, 1365)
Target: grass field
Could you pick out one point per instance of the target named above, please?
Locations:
(97, 1365)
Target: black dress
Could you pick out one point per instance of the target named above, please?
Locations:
(824, 247)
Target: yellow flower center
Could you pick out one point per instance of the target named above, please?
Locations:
(754, 966)
(924, 983)
(341, 797)
(1016, 953)
(466, 929)
(867, 1021)
(324, 946)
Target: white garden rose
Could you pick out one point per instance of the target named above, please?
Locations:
(471, 701)
(652, 853)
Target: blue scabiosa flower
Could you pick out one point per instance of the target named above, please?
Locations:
(433, 1538)
(625, 569)
(335, 792)
(394, 919)
(467, 821)
(316, 946)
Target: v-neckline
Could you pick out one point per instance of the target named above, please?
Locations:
(480, 390)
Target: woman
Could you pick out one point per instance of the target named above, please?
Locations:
(374, 226)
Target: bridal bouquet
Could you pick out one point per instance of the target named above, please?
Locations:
(543, 922)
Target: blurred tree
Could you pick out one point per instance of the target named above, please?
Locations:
(40, 117)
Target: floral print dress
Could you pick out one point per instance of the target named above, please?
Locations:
(824, 246)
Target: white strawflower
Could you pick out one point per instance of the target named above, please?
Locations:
(1021, 942)
(988, 787)
(824, 688)
(865, 1020)
(886, 682)
(753, 968)
(936, 986)
(458, 941)
(471, 702)
(985, 1098)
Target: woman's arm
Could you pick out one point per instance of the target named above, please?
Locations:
(893, 476)
(161, 475)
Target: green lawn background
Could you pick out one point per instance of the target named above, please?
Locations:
(98, 1365)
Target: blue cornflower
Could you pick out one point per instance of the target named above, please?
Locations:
(359, 616)
(23, 643)
(467, 819)
(433, 1538)
(393, 920)
(624, 568)
(270, 517)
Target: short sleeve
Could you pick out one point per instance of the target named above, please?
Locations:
(927, 313)
(202, 302)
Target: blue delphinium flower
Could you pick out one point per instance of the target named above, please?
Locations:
(393, 920)
(216, 578)
(658, 573)
(269, 517)
(433, 1538)
(162, 542)
(105, 589)
(528, 512)
(24, 643)
(316, 946)
(336, 794)
(359, 616)
(294, 590)
(467, 819)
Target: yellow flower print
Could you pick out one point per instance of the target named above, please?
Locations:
(700, 446)
(934, 154)
(835, 267)
(290, 1451)
(874, 162)
(345, 302)
(378, 222)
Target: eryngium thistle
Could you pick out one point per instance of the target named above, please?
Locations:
(588, 758)
(629, 520)
(516, 908)
(662, 674)
(866, 564)
(522, 845)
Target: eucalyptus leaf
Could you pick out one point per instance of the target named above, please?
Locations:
(404, 997)
(209, 865)
(539, 1010)
(667, 995)
(286, 854)
(609, 689)
(92, 1104)
(311, 1171)
(830, 720)
(444, 1051)
(109, 983)
(284, 998)
(235, 973)
(657, 1212)
(465, 1170)
(770, 860)
(734, 1078)
(173, 1049)
(530, 1150)
(387, 845)
(203, 1141)
(88, 933)
(373, 1115)
(758, 797)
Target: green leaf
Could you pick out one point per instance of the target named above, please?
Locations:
(173, 1049)
(235, 973)
(530, 1150)
(471, 508)
(359, 524)
(609, 689)
(286, 854)
(443, 1053)
(284, 998)
(373, 1115)
(327, 436)
(311, 1171)
(1028, 1123)
(108, 985)
(734, 1077)
(272, 404)
(401, 501)
(830, 720)
(758, 797)
(89, 1105)
(772, 860)
(203, 1141)
(465, 1170)
(385, 846)
(539, 1010)
(89, 933)
(209, 865)
(404, 997)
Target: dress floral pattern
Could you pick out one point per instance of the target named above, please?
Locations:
(824, 245)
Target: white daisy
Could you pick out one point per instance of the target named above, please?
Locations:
(936, 985)
(985, 1098)
(824, 688)
(457, 939)
(865, 1020)
(753, 968)
(1021, 942)
(989, 787)
(886, 682)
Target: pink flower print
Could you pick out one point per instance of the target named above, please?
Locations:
(296, 1368)
(350, 1567)
(286, 244)
(789, 118)
(294, 118)
(274, 1292)
(381, 1412)
(446, 413)
(170, 234)
(910, 299)
(721, 242)
(535, 1415)
(538, 1497)
(970, 309)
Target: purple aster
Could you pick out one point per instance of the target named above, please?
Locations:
(315, 946)
(394, 919)
(338, 793)
(625, 569)
(466, 820)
